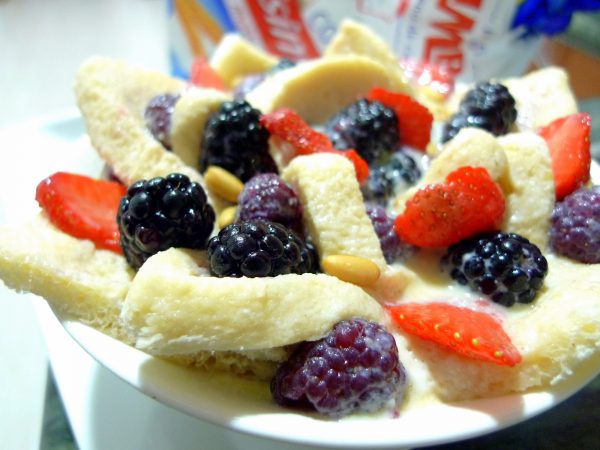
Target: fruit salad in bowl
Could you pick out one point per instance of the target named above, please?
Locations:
(356, 245)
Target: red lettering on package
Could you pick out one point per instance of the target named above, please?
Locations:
(445, 50)
(282, 28)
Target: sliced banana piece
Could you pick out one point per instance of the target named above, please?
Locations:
(530, 204)
(336, 219)
(470, 147)
(236, 57)
(79, 281)
(190, 114)
(174, 308)
(541, 96)
(319, 88)
(112, 96)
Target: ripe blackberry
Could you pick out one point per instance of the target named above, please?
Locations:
(249, 82)
(268, 197)
(504, 266)
(158, 115)
(235, 140)
(355, 368)
(367, 126)
(575, 231)
(161, 213)
(258, 248)
(391, 178)
(394, 249)
(488, 105)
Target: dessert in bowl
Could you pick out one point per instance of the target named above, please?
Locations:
(189, 304)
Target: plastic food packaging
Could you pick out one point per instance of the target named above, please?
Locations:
(471, 39)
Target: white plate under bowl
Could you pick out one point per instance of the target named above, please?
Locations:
(59, 143)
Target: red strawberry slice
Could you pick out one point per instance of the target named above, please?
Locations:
(83, 207)
(203, 75)
(441, 214)
(414, 119)
(287, 126)
(568, 140)
(423, 73)
(470, 333)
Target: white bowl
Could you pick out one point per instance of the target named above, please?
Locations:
(59, 143)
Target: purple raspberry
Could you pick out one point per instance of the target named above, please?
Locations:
(268, 197)
(355, 368)
(394, 249)
(158, 117)
(575, 231)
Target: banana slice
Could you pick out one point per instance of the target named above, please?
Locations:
(541, 97)
(470, 147)
(319, 88)
(336, 219)
(190, 114)
(79, 281)
(235, 57)
(174, 308)
(532, 199)
(112, 96)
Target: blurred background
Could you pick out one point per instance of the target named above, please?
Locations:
(42, 43)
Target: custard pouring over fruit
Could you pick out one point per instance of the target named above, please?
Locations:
(359, 241)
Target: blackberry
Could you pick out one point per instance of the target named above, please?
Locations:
(504, 266)
(158, 115)
(258, 248)
(249, 82)
(488, 105)
(235, 140)
(161, 213)
(268, 197)
(575, 231)
(367, 126)
(391, 178)
(355, 368)
(394, 249)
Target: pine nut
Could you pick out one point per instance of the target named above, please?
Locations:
(223, 183)
(227, 216)
(354, 269)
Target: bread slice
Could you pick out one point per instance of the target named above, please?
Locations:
(530, 202)
(112, 96)
(236, 57)
(336, 218)
(318, 89)
(470, 147)
(557, 335)
(174, 307)
(541, 96)
(78, 281)
(190, 114)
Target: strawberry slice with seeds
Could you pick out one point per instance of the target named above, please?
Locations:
(290, 129)
(84, 207)
(414, 120)
(470, 333)
(203, 75)
(568, 140)
(441, 214)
